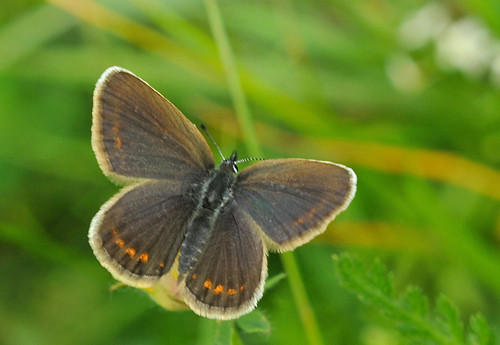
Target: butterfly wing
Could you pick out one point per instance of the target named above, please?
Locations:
(228, 279)
(293, 200)
(139, 136)
(137, 133)
(138, 233)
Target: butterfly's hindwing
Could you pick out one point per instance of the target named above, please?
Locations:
(227, 280)
(138, 233)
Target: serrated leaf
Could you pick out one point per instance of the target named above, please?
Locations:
(254, 322)
(371, 285)
(342, 268)
(381, 279)
(410, 314)
(349, 270)
(451, 320)
(415, 302)
(481, 333)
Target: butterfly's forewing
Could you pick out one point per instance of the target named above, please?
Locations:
(228, 279)
(293, 200)
(138, 134)
(138, 233)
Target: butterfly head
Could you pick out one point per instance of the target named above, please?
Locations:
(229, 164)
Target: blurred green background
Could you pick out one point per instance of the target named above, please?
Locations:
(405, 93)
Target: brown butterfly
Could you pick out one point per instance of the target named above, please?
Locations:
(180, 214)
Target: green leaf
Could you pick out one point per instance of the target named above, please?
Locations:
(371, 285)
(254, 322)
(481, 333)
(415, 302)
(451, 321)
(410, 313)
(271, 282)
(381, 279)
(224, 333)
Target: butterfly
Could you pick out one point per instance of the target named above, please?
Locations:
(180, 214)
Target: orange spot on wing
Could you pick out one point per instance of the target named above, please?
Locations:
(144, 257)
(116, 127)
(242, 287)
(114, 232)
(207, 284)
(120, 242)
(194, 276)
(311, 213)
(218, 289)
(118, 142)
(162, 264)
(130, 251)
(299, 221)
(231, 292)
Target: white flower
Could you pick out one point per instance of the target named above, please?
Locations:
(467, 46)
(424, 26)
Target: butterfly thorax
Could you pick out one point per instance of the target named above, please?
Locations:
(230, 164)
(216, 196)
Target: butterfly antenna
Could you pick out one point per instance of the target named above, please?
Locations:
(249, 159)
(202, 126)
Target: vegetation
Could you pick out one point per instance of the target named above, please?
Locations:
(404, 92)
